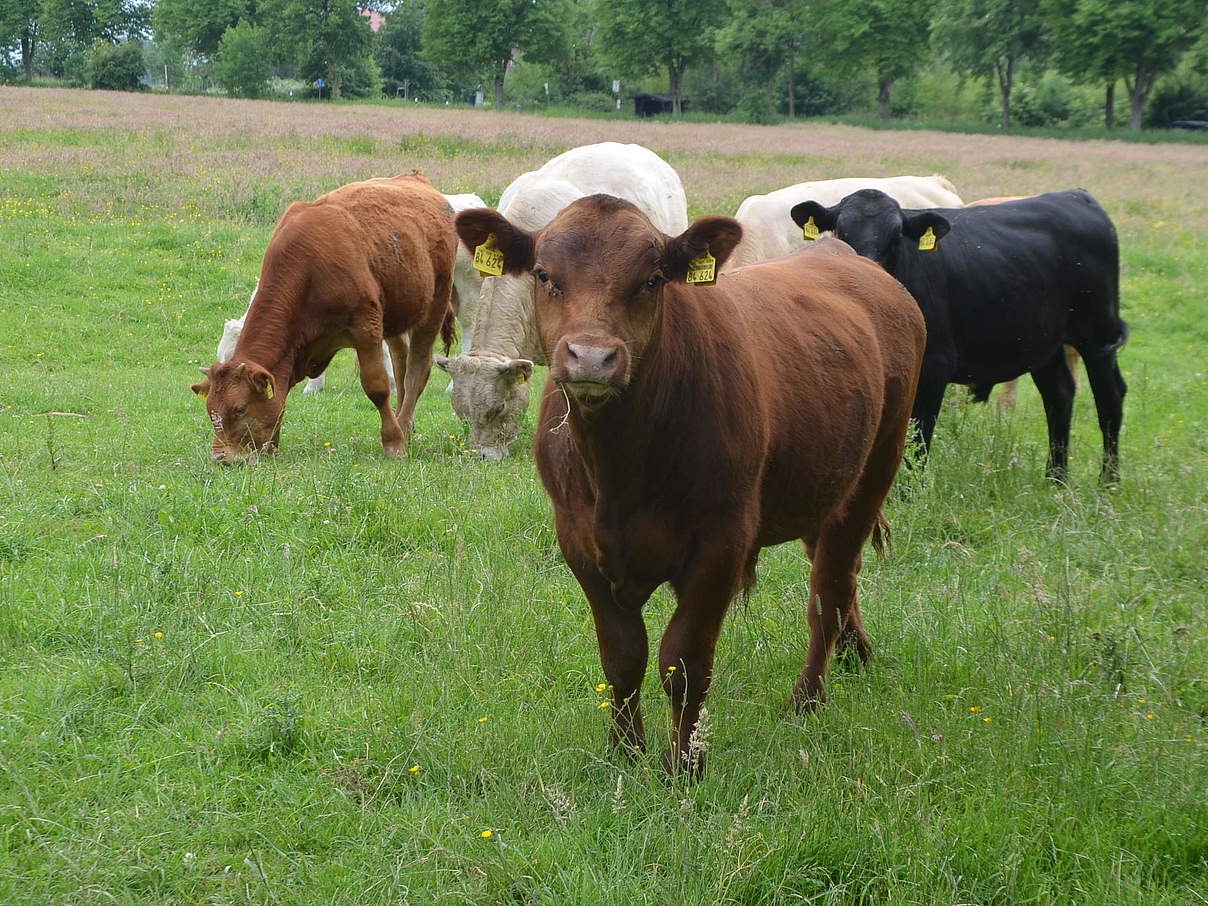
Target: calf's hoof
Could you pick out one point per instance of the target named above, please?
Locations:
(395, 451)
(678, 763)
(854, 650)
(808, 697)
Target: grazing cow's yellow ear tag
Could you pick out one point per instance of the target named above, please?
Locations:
(927, 241)
(203, 394)
(810, 230)
(268, 387)
(702, 271)
(488, 260)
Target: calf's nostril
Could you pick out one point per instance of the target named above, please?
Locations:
(610, 358)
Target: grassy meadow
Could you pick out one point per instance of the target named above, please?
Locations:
(333, 678)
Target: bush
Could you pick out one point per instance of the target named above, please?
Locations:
(115, 67)
(1175, 102)
(592, 101)
(756, 107)
(242, 66)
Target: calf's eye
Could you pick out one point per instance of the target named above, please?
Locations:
(653, 281)
(543, 276)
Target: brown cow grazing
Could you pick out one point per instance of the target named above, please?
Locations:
(684, 428)
(370, 261)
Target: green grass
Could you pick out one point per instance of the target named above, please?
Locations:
(1032, 729)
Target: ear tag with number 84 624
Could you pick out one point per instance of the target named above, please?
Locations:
(488, 259)
(927, 241)
(702, 271)
(810, 230)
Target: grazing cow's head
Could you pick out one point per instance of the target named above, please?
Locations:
(490, 394)
(600, 269)
(872, 223)
(244, 407)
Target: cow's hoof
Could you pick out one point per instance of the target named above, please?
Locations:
(808, 698)
(684, 765)
(395, 451)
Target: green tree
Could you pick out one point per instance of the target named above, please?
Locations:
(886, 37)
(242, 66)
(763, 36)
(989, 38)
(1136, 40)
(400, 51)
(640, 37)
(200, 26)
(115, 67)
(19, 29)
(478, 38)
(324, 39)
(70, 28)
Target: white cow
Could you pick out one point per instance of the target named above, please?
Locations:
(467, 284)
(490, 381)
(769, 232)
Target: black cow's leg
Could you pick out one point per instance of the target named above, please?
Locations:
(1109, 388)
(1056, 385)
(927, 403)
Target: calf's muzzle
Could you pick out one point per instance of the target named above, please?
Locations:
(590, 360)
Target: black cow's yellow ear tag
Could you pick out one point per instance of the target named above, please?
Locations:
(702, 271)
(488, 259)
(927, 241)
(810, 230)
(268, 387)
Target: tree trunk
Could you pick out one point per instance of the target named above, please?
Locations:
(334, 81)
(885, 97)
(1006, 77)
(499, 77)
(792, 67)
(1138, 93)
(27, 53)
(1109, 106)
(675, 75)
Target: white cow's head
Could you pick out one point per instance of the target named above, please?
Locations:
(491, 394)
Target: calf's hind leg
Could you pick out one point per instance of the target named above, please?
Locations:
(376, 385)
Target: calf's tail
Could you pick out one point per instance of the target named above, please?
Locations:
(448, 329)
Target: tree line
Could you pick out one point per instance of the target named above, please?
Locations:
(758, 58)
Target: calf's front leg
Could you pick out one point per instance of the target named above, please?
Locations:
(687, 651)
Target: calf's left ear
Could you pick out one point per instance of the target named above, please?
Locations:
(716, 235)
(916, 224)
(477, 224)
(201, 388)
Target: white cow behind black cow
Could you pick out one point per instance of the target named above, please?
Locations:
(490, 377)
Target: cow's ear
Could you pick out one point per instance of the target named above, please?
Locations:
(915, 224)
(716, 235)
(443, 363)
(517, 370)
(477, 225)
(824, 217)
(202, 388)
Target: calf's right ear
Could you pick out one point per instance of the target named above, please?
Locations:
(824, 217)
(477, 224)
(201, 388)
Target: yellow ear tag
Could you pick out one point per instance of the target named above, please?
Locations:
(810, 231)
(203, 394)
(488, 260)
(927, 241)
(268, 388)
(702, 271)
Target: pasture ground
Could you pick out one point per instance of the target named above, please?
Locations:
(325, 678)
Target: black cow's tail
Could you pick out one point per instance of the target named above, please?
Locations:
(1105, 349)
(448, 329)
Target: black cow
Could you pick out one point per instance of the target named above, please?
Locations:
(1002, 289)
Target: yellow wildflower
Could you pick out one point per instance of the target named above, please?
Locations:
(159, 635)
(605, 704)
(414, 769)
(601, 687)
(486, 834)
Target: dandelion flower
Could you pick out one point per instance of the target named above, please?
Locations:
(605, 704)
(159, 635)
(414, 769)
(486, 834)
(601, 687)
(975, 708)
(1149, 716)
